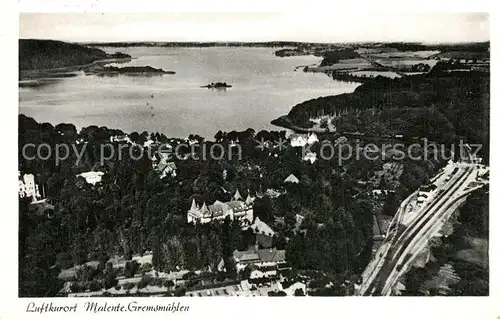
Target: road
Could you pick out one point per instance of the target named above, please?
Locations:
(403, 244)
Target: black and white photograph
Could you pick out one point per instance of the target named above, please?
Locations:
(253, 155)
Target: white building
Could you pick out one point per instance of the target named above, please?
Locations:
(259, 273)
(313, 138)
(92, 177)
(120, 139)
(28, 187)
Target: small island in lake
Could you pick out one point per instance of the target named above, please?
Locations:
(217, 85)
(127, 70)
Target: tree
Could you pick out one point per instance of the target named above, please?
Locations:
(263, 208)
(131, 268)
(145, 280)
(110, 281)
(299, 292)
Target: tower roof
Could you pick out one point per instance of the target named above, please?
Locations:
(204, 208)
(237, 195)
(292, 179)
(193, 205)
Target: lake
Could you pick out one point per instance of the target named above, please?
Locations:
(264, 88)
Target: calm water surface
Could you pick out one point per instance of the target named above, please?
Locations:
(264, 87)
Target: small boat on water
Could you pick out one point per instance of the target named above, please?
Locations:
(217, 85)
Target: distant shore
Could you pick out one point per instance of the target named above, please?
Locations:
(57, 72)
(271, 44)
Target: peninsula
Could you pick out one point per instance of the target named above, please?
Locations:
(51, 59)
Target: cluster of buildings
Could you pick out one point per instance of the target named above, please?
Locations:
(236, 209)
(246, 289)
(301, 140)
(268, 273)
(161, 160)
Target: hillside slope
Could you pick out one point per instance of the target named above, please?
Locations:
(48, 54)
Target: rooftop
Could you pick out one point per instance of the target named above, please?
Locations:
(272, 255)
(262, 228)
(292, 179)
(246, 255)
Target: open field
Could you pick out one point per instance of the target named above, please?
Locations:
(372, 74)
(364, 51)
(404, 54)
(348, 64)
(397, 63)
(463, 55)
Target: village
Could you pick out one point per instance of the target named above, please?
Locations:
(261, 270)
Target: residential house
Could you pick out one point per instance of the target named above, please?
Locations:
(272, 193)
(269, 192)
(271, 257)
(245, 258)
(120, 139)
(163, 164)
(259, 227)
(263, 272)
(263, 233)
(260, 257)
(92, 177)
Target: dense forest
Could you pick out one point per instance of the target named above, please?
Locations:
(483, 47)
(332, 57)
(443, 106)
(133, 211)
